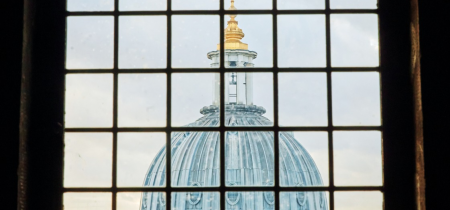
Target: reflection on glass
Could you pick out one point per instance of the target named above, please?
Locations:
(353, 4)
(356, 98)
(250, 200)
(195, 4)
(300, 4)
(300, 152)
(248, 42)
(142, 100)
(302, 99)
(192, 104)
(248, 99)
(358, 200)
(249, 158)
(195, 200)
(91, 5)
(192, 37)
(301, 41)
(89, 42)
(357, 158)
(142, 5)
(195, 159)
(142, 41)
(87, 159)
(135, 152)
(132, 200)
(87, 201)
(354, 40)
(247, 4)
(88, 101)
(304, 200)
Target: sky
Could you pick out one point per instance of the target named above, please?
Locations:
(142, 97)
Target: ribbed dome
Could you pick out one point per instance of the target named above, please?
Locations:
(249, 162)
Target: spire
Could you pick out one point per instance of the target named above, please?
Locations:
(233, 34)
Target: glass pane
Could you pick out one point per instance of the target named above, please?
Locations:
(142, 5)
(88, 100)
(142, 100)
(139, 153)
(247, 4)
(87, 201)
(356, 98)
(195, 159)
(357, 158)
(249, 158)
(303, 159)
(304, 200)
(354, 40)
(353, 4)
(301, 41)
(90, 42)
(91, 5)
(195, 200)
(249, 99)
(302, 99)
(248, 41)
(195, 4)
(87, 159)
(250, 200)
(193, 104)
(358, 200)
(141, 200)
(193, 36)
(142, 42)
(300, 4)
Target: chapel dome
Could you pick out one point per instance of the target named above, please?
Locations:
(249, 161)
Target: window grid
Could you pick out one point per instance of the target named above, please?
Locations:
(168, 189)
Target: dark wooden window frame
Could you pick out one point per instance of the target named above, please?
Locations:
(42, 99)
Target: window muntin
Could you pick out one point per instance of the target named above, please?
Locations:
(328, 70)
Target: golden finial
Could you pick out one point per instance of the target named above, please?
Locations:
(233, 34)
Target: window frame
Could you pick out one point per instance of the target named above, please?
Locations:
(42, 128)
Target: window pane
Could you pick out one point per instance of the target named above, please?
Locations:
(88, 100)
(248, 4)
(195, 200)
(249, 99)
(357, 158)
(356, 98)
(142, 5)
(87, 159)
(353, 4)
(142, 100)
(193, 36)
(89, 42)
(250, 200)
(192, 100)
(300, 4)
(90, 5)
(301, 41)
(249, 158)
(141, 200)
(354, 40)
(253, 47)
(304, 200)
(302, 99)
(87, 201)
(195, 4)
(142, 42)
(139, 153)
(303, 159)
(358, 200)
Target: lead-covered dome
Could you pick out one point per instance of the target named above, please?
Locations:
(249, 161)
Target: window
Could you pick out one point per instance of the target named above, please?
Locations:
(195, 195)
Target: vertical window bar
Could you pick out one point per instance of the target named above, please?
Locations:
(168, 189)
(329, 104)
(275, 105)
(115, 107)
(222, 107)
